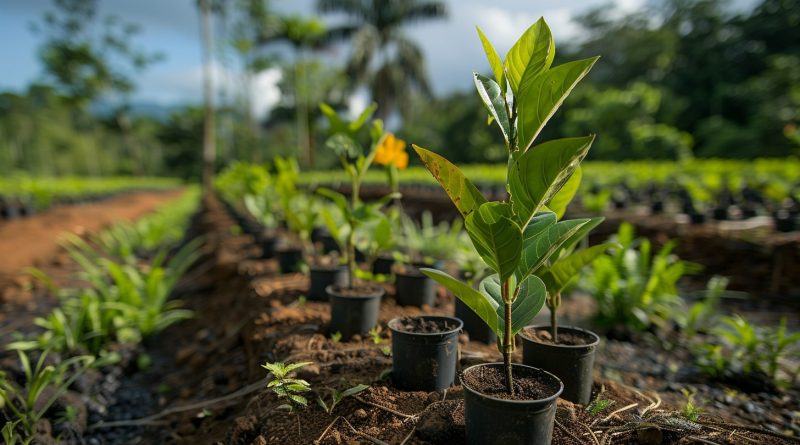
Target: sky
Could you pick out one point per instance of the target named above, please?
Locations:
(452, 49)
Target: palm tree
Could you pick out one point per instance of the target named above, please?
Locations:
(383, 59)
(209, 133)
(303, 35)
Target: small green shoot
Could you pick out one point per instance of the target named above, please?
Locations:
(336, 337)
(386, 350)
(375, 335)
(690, 411)
(336, 396)
(286, 387)
(598, 406)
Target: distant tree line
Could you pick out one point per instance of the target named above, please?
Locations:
(679, 78)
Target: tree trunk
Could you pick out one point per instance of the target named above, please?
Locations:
(209, 133)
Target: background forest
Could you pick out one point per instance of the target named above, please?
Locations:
(680, 79)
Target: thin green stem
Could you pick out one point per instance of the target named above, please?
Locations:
(508, 340)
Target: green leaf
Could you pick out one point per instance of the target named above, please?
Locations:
(354, 390)
(537, 176)
(559, 274)
(492, 97)
(362, 118)
(344, 146)
(563, 197)
(497, 238)
(483, 306)
(540, 95)
(531, 54)
(576, 237)
(494, 60)
(540, 246)
(339, 199)
(528, 303)
(461, 191)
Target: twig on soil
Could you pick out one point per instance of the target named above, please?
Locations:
(410, 433)
(568, 432)
(624, 408)
(374, 440)
(395, 412)
(324, 433)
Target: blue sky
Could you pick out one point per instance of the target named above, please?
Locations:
(171, 27)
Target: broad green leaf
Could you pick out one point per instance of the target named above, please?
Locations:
(576, 237)
(483, 306)
(559, 274)
(494, 59)
(461, 191)
(540, 95)
(536, 176)
(497, 238)
(492, 97)
(531, 54)
(528, 303)
(563, 197)
(539, 247)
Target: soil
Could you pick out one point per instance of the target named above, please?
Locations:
(567, 338)
(491, 381)
(206, 384)
(33, 241)
(420, 325)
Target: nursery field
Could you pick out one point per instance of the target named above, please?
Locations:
(127, 363)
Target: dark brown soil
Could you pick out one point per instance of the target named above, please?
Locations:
(491, 381)
(208, 386)
(421, 325)
(567, 338)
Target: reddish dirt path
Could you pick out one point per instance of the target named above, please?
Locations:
(34, 241)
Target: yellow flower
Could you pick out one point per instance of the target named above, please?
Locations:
(392, 151)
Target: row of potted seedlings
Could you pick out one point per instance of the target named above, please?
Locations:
(524, 255)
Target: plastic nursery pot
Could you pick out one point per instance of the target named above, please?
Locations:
(323, 276)
(354, 311)
(413, 288)
(289, 259)
(424, 352)
(383, 265)
(477, 329)
(494, 419)
(268, 244)
(572, 363)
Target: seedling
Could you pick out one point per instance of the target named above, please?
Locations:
(355, 161)
(386, 350)
(27, 403)
(598, 406)
(336, 337)
(286, 387)
(690, 411)
(336, 396)
(516, 238)
(375, 335)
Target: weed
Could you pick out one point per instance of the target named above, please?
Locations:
(598, 406)
(286, 387)
(336, 396)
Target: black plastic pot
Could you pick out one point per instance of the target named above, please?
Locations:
(412, 288)
(323, 276)
(353, 314)
(495, 421)
(383, 265)
(720, 213)
(289, 259)
(784, 222)
(328, 243)
(424, 361)
(477, 329)
(572, 364)
(268, 244)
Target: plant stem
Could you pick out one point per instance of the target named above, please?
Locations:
(508, 340)
(553, 302)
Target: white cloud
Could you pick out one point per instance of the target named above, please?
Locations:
(186, 86)
(503, 26)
